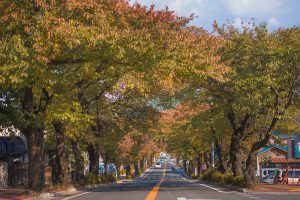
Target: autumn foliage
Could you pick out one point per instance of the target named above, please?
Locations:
(124, 81)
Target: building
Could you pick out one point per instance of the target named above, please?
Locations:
(13, 157)
(277, 156)
(265, 156)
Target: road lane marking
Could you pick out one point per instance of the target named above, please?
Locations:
(77, 195)
(183, 198)
(216, 189)
(153, 193)
(145, 175)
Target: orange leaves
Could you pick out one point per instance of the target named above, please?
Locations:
(181, 114)
(136, 145)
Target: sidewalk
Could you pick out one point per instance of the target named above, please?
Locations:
(20, 194)
(261, 188)
(15, 194)
(49, 193)
(276, 188)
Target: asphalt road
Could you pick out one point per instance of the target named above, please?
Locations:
(168, 184)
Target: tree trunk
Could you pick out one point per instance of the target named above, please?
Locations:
(200, 163)
(206, 159)
(53, 162)
(35, 153)
(191, 167)
(142, 166)
(94, 155)
(118, 170)
(34, 133)
(185, 166)
(62, 154)
(235, 158)
(128, 170)
(249, 171)
(79, 163)
(236, 140)
(221, 167)
(151, 160)
(136, 169)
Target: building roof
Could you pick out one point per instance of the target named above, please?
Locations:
(280, 147)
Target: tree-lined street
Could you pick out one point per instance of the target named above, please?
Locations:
(100, 91)
(173, 187)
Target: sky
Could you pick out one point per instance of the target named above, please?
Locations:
(277, 13)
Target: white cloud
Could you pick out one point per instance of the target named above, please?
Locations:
(237, 22)
(273, 21)
(254, 8)
(240, 23)
(181, 7)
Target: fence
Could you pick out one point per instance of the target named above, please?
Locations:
(18, 174)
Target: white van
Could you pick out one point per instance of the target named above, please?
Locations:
(266, 171)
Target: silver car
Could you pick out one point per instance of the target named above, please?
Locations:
(270, 178)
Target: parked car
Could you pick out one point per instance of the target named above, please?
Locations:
(270, 178)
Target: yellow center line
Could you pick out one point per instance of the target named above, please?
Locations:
(152, 195)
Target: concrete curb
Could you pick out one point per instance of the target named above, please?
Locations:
(230, 187)
(70, 191)
(244, 190)
(292, 193)
(43, 196)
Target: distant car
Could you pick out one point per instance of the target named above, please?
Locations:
(157, 165)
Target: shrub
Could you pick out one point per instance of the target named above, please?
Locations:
(103, 179)
(108, 178)
(91, 179)
(207, 175)
(217, 177)
(193, 176)
(228, 179)
(239, 181)
(129, 177)
(111, 178)
(213, 176)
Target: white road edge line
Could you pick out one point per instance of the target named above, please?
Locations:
(183, 198)
(77, 195)
(147, 174)
(216, 189)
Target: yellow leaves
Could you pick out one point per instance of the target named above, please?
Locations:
(217, 72)
(13, 78)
